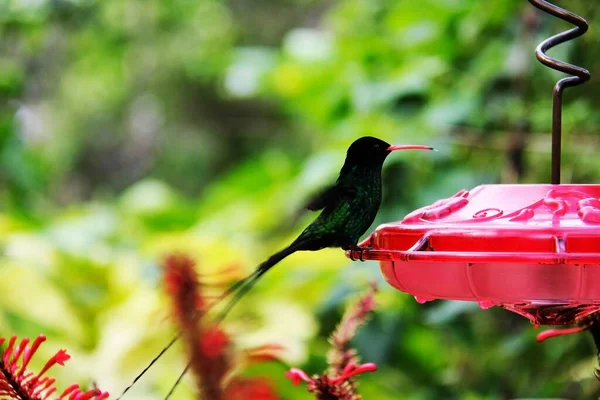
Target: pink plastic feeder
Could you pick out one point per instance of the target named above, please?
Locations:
(531, 249)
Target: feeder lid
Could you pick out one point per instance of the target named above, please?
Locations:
(533, 249)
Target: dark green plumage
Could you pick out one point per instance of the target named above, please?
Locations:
(349, 208)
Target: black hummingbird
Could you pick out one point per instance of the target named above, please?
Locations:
(349, 208)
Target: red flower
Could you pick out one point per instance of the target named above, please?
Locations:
(17, 382)
(296, 375)
(206, 344)
(337, 383)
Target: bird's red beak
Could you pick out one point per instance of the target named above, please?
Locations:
(409, 147)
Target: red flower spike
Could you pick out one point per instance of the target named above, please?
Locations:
(209, 346)
(325, 387)
(341, 353)
(181, 282)
(18, 383)
(337, 382)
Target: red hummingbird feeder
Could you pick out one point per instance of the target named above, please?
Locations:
(532, 249)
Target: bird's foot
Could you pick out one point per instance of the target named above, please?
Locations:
(358, 248)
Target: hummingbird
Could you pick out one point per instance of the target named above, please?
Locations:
(349, 207)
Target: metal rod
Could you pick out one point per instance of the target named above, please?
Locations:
(580, 75)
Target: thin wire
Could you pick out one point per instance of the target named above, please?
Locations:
(581, 75)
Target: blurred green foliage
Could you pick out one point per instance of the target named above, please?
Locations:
(130, 129)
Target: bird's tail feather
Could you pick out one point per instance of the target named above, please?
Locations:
(239, 289)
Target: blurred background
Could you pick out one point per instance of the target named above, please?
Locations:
(133, 129)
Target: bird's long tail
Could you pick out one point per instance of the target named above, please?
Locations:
(240, 288)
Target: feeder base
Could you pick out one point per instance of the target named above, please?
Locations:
(552, 314)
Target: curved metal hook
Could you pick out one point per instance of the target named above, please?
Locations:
(580, 75)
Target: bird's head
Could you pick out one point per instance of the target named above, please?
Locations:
(370, 150)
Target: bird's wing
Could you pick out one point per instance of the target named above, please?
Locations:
(329, 196)
(322, 199)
